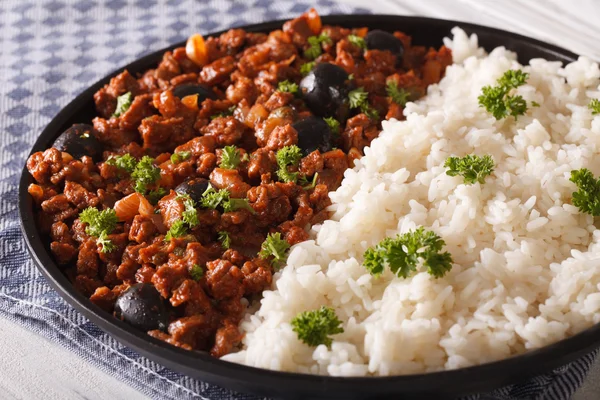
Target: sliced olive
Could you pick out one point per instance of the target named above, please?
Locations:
(381, 40)
(190, 89)
(142, 307)
(79, 141)
(285, 112)
(325, 90)
(195, 188)
(313, 134)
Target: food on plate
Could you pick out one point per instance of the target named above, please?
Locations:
(465, 234)
(173, 207)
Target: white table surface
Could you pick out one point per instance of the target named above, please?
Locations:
(33, 368)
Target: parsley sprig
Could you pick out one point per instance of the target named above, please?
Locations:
(99, 225)
(212, 198)
(357, 41)
(230, 157)
(144, 174)
(126, 162)
(123, 104)
(358, 98)
(314, 49)
(196, 272)
(471, 167)
(276, 247)
(594, 106)
(334, 125)
(402, 254)
(180, 156)
(397, 94)
(288, 156)
(287, 87)
(224, 239)
(227, 113)
(498, 101)
(587, 196)
(315, 327)
(189, 218)
(307, 67)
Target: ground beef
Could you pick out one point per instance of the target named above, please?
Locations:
(200, 255)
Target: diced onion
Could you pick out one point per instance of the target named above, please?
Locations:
(195, 49)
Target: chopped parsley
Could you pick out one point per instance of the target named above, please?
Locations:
(334, 125)
(358, 98)
(497, 99)
(237, 204)
(471, 167)
(197, 272)
(224, 239)
(402, 254)
(178, 229)
(357, 41)
(286, 156)
(213, 199)
(123, 104)
(144, 174)
(99, 225)
(190, 214)
(314, 49)
(126, 162)
(306, 185)
(397, 94)
(180, 156)
(315, 327)
(287, 87)
(276, 247)
(594, 106)
(587, 196)
(307, 67)
(226, 113)
(230, 157)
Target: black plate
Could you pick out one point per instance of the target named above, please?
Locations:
(425, 31)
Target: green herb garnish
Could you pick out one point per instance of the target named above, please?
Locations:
(126, 162)
(306, 185)
(230, 157)
(594, 106)
(178, 229)
(357, 41)
(197, 272)
(314, 49)
(212, 199)
(286, 156)
(397, 94)
(497, 99)
(276, 247)
(123, 104)
(99, 225)
(358, 98)
(144, 174)
(237, 204)
(307, 67)
(224, 239)
(315, 327)
(155, 195)
(402, 254)
(178, 157)
(471, 167)
(190, 214)
(287, 87)
(334, 125)
(226, 113)
(587, 196)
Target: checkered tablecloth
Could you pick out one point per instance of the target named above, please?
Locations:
(49, 52)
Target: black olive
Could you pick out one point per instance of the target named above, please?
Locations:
(325, 90)
(313, 134)
(381, 40)
(142, 307)
(79, 141)
(190, 89)
(194, 187)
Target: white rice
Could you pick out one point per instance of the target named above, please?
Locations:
(526, 262)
